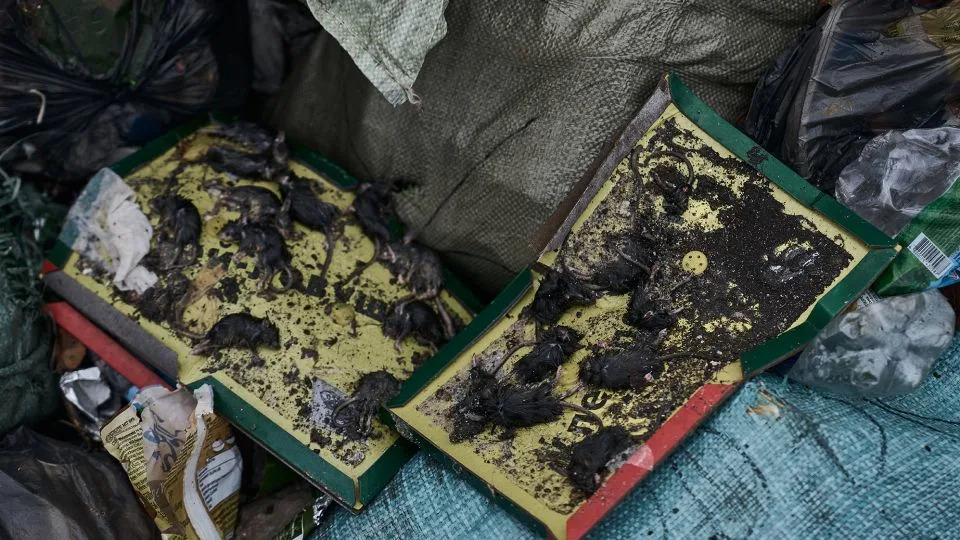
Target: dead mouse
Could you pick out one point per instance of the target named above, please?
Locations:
(373, 391)
(417, 265)
(254, 137)
(266, 245)
(301, 199)
(549, 353)
(254, 203)
(633, 368)
(511, 406)
(180, 224)
(238, 163)
(592, 455)
(421, 268)
(165, 302)
(652, 312)
(414, 319)
(268, 161)
(558, 291)
(676, 195)
(373, 209)
(469, 417)
(238, 330)
(630, 269)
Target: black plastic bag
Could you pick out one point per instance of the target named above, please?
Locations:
(83, 78)
(867, 67)
(52, 489)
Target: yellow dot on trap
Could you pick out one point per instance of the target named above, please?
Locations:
(694, 262)
(343, 314)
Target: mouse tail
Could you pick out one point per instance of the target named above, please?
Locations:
(583, 410)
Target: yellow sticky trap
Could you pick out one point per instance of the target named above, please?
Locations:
(329, 337)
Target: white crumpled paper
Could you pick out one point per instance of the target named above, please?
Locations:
(106, 226)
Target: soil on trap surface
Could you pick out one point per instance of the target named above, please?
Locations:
(739, 302)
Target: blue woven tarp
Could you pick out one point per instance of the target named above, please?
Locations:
(777, 460)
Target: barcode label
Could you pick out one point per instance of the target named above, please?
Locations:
(868, 297)
(930, 255)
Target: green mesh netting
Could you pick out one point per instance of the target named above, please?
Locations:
(28, 389)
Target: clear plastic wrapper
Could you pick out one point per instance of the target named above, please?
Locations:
(905, 183)
(884, 348)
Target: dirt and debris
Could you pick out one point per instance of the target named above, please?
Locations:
(673, 196)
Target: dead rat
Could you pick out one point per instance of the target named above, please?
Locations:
(373, 209)
(373, 391)
(165, 302)
(414, 319)
(509, 406)
(592, 454)
(302, 201)
(558, 291)
(254, 137)
(268, 161)
(421, 267)
(417, 265)
(676, 197)
(632, 368)
(468, 414)
(646, 312)
(265, 244)
(238, 163)
(254, 203)
(180, 224)
(302, 198)
(549, 353)
(631, 268)
(238, 330)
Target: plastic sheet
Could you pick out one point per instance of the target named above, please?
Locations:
(898, 174)
(885, 348)
(78, 77)
(905, 183)
(867, 67)
(52, 489)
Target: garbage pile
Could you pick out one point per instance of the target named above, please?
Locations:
(864, 106)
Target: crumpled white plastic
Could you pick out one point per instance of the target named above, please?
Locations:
(106, 226)
(885, 348)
